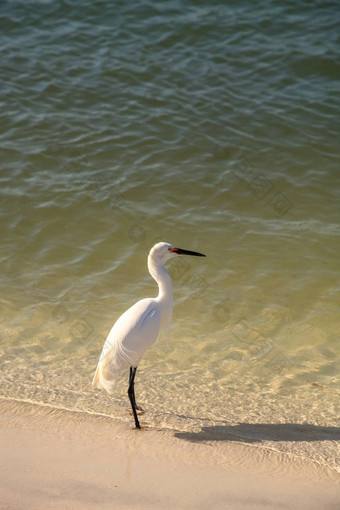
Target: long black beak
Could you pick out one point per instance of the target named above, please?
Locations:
(187, 252)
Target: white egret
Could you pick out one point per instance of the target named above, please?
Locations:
(139, 327)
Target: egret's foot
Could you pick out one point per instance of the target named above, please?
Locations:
(137, 427)
(139, 411)
(140, 428)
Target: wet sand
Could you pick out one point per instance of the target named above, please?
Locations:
(55, 459)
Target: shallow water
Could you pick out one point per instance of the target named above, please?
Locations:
(214, 128)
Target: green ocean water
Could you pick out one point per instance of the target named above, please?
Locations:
(211, 126)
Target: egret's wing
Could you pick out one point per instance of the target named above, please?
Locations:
(133, 333)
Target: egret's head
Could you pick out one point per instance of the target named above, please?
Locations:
(162, 252)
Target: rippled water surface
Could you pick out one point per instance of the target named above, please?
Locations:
(215, 128)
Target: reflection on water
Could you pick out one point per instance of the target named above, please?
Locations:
(255, 432)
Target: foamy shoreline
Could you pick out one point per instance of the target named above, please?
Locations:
(57, 459)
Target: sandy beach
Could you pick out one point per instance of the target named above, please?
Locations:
(55, 459)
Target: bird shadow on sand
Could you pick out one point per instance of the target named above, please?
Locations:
(257, 432)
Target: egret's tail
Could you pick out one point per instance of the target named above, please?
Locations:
(95, 380)
(99, 381)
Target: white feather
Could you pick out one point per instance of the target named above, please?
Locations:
(140, 326)
(133, 333)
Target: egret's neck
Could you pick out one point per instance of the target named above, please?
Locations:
(162, 277)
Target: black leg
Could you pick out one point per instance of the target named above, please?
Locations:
(131, 393)
(132, 380)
